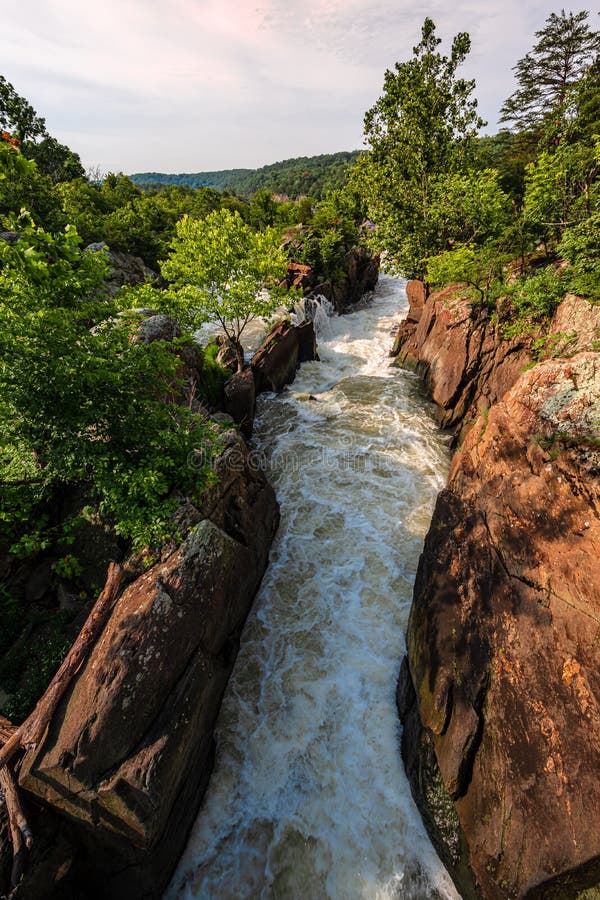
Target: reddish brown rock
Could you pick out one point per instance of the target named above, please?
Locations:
(575, 327)
(361, 276)
(228, 354)
(417, 294)
(502, 732)
(286, 346)
(129, 751)
(300, 276)
(459, 352)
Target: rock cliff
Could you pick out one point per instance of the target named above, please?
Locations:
(361, 275)
(465, 363)
(500, 691)
(129, 751)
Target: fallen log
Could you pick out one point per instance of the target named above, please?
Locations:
(28, 735)
(7, 729)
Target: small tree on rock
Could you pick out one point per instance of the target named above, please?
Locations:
(222, 270)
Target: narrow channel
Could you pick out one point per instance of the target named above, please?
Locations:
(308, 798)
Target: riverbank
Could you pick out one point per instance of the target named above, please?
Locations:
(498, 693)
(308, 796)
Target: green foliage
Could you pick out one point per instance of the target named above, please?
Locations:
(533, 300)
(68, 567)
(17, 116)
(554, 67)
(221, 269)
(54, 159)
(263, 209)
(100, 411)
(508, 154)
(131, 220)
(306, 175)
(330, 233)
(214, 376)
(22, 187)
(561, 188)
(479, 267)
(585, 113)
(421, 128)
(467, 207)
(581, 246)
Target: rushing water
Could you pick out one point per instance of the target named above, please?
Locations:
(308, 798)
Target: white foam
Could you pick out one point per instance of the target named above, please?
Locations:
(309, 798)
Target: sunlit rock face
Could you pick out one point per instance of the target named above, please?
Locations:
(130, 750)
(500, 695)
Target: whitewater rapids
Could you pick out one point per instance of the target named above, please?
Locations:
(308, 798)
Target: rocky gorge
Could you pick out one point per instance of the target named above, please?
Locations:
(499, 691)
(113, 786)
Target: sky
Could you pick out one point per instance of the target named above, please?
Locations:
(197, 85)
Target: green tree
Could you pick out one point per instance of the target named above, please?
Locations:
(587, 104)
(330, 234)
(560, 58)
(421, 127)
(98, 413)
(263, 209)
(225, 271)
(19, 118)
(81, 403)
(17, 115)
(85, 207)
(479, 267)
(580, 245)
(54, 159)
(561, 187)
(23, 187)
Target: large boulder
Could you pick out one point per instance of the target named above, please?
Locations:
(575, 327)
(157, 327)
(501, 694)
(460, 351)
(125, 269)
(129, 751)
(286, 346)
(240, 400)
(361, 272)
(300, 276)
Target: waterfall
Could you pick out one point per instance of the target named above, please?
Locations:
(308, 798)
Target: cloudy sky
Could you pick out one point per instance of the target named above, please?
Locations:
(194, 85)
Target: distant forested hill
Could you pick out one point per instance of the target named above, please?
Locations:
(313, 175)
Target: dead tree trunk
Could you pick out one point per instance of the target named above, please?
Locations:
(29, 734)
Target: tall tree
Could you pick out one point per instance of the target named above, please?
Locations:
(19, 119)
(420, 128)
(562, 56)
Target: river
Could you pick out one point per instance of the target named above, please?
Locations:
(308, 798)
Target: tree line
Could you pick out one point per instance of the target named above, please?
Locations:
(312, 176)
